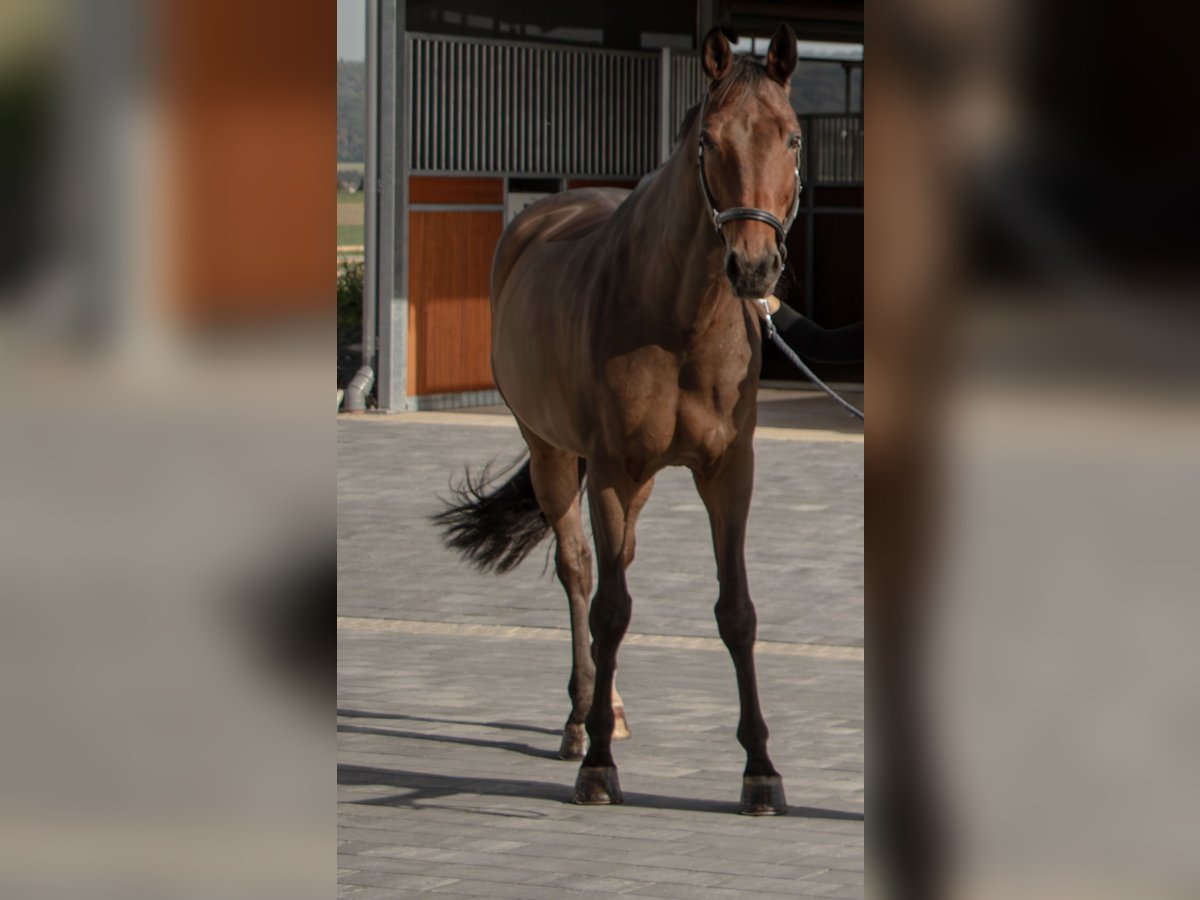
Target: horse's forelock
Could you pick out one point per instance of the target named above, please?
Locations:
(743, 78)
(741, 88)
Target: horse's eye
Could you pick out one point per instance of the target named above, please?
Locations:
(794, 142)
(707, 141)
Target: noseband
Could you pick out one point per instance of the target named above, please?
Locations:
(720, 219)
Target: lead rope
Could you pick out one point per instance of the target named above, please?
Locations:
(779, 342)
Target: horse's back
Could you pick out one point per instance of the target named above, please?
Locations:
(565, 216)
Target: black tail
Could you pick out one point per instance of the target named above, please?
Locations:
(494, 527)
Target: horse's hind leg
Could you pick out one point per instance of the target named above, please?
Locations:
(726, 495)
(620, 722)
(555, 475)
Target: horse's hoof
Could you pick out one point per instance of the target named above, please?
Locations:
(598, 786)
(620, 724)
(762, 795)
(574, 742)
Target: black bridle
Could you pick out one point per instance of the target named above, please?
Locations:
(754, 214)
(720, 219)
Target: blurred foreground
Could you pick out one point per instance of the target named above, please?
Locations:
(166, 553)
(1034, 475)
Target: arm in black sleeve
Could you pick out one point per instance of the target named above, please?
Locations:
(817, 344)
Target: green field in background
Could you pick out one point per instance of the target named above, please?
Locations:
(349, 235)
(349, 219)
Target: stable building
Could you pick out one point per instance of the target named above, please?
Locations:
(478, 108)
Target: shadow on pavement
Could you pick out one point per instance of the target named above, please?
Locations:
(781, 409)
(420, 787)
(446, 739)
(508, 726)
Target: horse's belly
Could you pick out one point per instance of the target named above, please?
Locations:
(535, 384)
(543, 413)
(539, 346)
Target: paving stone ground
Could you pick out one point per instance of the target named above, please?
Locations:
(452, 689)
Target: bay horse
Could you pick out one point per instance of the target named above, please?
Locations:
(625, 339)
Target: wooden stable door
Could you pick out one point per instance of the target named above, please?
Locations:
(453, 231)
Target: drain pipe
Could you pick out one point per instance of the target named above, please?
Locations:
(360, 385)
(358, 390)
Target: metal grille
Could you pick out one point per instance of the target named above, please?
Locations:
(493, 107)
(503, 108)
(688, 83)
(835, 149)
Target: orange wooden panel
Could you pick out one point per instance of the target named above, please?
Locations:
(600, 182)
(431, 189)
(248, 217)
(449, 268)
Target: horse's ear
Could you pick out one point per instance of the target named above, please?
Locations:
(716, 55)
(781, 56)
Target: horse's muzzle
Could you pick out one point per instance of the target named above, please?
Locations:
(752, 279)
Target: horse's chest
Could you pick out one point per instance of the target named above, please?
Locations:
(705, 425)
(683, 419)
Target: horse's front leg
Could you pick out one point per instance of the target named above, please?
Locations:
(614, 501)
(726, 496)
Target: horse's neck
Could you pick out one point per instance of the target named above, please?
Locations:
(670, 236)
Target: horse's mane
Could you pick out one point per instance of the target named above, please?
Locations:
(689, 119)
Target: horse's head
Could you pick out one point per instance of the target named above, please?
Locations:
(748, 152)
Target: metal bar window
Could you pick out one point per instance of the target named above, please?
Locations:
(519, 108)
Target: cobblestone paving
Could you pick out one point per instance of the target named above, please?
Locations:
(452, 691)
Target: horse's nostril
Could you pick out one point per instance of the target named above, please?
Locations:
(752, 276)
(764, 267)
